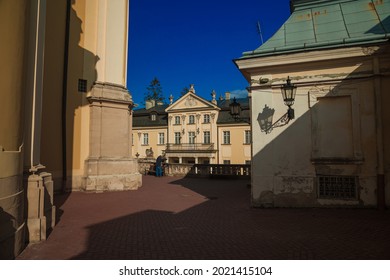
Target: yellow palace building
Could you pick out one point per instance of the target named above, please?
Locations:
(192, 130)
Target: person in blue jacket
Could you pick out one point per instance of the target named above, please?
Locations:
(159, 161)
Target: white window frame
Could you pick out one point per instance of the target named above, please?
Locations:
(191, 137)
(226, 137)
(161, 138)
(145, 139)
(206, 136)
(191, 119)
(247, 137)
(177, 120)
(177, 138)
(206, 118)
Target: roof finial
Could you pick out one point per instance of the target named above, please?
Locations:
(192, 89)
(170, 99)
(214, 94)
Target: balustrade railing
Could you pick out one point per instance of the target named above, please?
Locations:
(197, 170)
(189, 147)
(218, 170)
(178, 169)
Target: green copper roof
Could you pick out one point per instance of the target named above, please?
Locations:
(317, 24)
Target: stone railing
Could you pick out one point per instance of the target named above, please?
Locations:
(221, 170)
(178, 169)
(145, 166)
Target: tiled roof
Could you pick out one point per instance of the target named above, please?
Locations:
(223, 104)
(224, 116)
(157, 108)
(145, 121)
(142, 117)
(319, 24)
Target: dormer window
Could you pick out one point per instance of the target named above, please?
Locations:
(153, 117)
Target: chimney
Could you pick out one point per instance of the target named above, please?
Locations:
(227, 95)
(150, 104)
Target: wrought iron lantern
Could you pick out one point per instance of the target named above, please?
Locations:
(235, 109)
(288, 91)
(265, 118)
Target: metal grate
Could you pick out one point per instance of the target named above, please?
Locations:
(82, 85)
(337, 187)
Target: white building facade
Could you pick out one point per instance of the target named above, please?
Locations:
(333, 152)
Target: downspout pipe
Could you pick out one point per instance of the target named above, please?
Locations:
(381, 203)
(64, 94)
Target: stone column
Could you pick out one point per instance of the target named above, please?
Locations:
(13, 30)
(110, 165)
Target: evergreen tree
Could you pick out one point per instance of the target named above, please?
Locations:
(184, 91)
(154, 91)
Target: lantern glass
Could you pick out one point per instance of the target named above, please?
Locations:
(288, 92)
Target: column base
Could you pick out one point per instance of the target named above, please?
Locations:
(111, 174)
(36, 220)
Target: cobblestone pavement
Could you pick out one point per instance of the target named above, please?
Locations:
(182, 218)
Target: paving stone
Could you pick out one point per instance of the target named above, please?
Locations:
(190, 218)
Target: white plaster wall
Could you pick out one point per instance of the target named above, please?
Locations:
(287, 160)
(281, 158)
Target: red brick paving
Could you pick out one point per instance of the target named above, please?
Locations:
(186, 218)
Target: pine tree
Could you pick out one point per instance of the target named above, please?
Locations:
(154, 91)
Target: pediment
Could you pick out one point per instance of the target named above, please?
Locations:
(189, 102)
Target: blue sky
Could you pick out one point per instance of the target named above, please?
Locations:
(194, 42)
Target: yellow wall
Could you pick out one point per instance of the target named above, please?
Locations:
(51, 140)
(81, 65)
(14, 16)
(153, 133)
(238, 152)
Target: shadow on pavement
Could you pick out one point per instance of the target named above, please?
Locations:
(221, 225)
